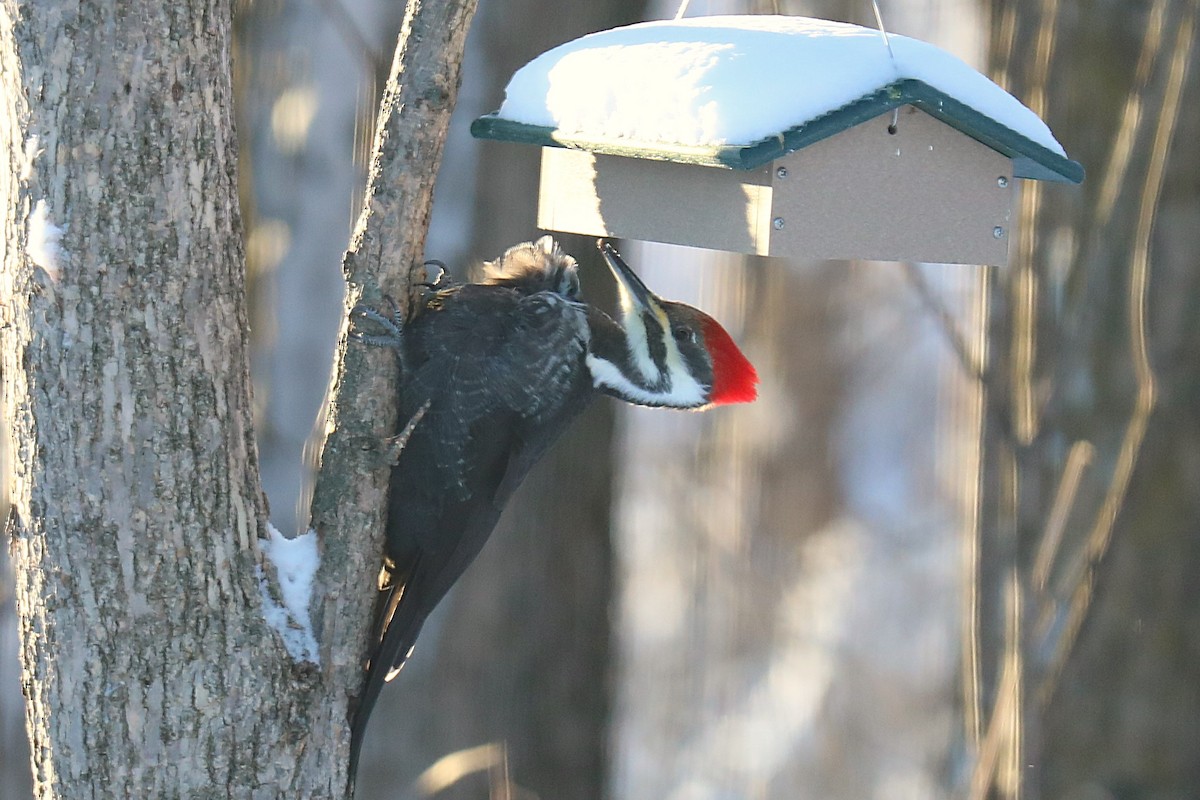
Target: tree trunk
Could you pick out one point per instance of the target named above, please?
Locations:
(135, 492)
(148, 666)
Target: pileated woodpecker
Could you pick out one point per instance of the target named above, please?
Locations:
(499, 369)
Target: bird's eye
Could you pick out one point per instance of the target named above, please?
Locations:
(684, 334)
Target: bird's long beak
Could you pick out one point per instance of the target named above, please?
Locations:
(627, 279)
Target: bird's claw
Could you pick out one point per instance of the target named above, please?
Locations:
(393, 325)
(433, 280)
(396, 444)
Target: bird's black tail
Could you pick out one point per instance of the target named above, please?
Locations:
(396, 629)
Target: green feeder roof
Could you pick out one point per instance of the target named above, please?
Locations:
(1031, 160)
(740, 91)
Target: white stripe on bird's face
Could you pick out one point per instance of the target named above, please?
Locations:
(636, 335)
(682, 391)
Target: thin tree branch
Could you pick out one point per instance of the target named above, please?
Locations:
(1117, 168)
(1078, 459)
(385, 257)
(1003, 730)
(1145, 399)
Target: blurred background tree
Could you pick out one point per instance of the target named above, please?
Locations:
(1086, 683)
(897, 575)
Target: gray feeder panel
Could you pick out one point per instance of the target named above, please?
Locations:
(925, 193)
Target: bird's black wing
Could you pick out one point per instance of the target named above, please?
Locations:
(489, 350)
(498, 367)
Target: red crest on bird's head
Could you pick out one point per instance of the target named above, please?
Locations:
(734, 378)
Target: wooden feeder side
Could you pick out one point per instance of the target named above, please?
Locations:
(659, 201)
(923, 193)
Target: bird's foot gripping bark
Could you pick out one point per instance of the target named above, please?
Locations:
(392, 325)
(435, 275)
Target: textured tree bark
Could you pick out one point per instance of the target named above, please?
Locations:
(148, 667)
(385, 258)
(135, 494)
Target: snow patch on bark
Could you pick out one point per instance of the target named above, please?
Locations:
(43, 243)
(296, 561)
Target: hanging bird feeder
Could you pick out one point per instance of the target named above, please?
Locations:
(779, 136)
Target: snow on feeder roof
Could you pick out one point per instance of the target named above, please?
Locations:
(785, 105)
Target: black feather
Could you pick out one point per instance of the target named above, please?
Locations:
(502, 366)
